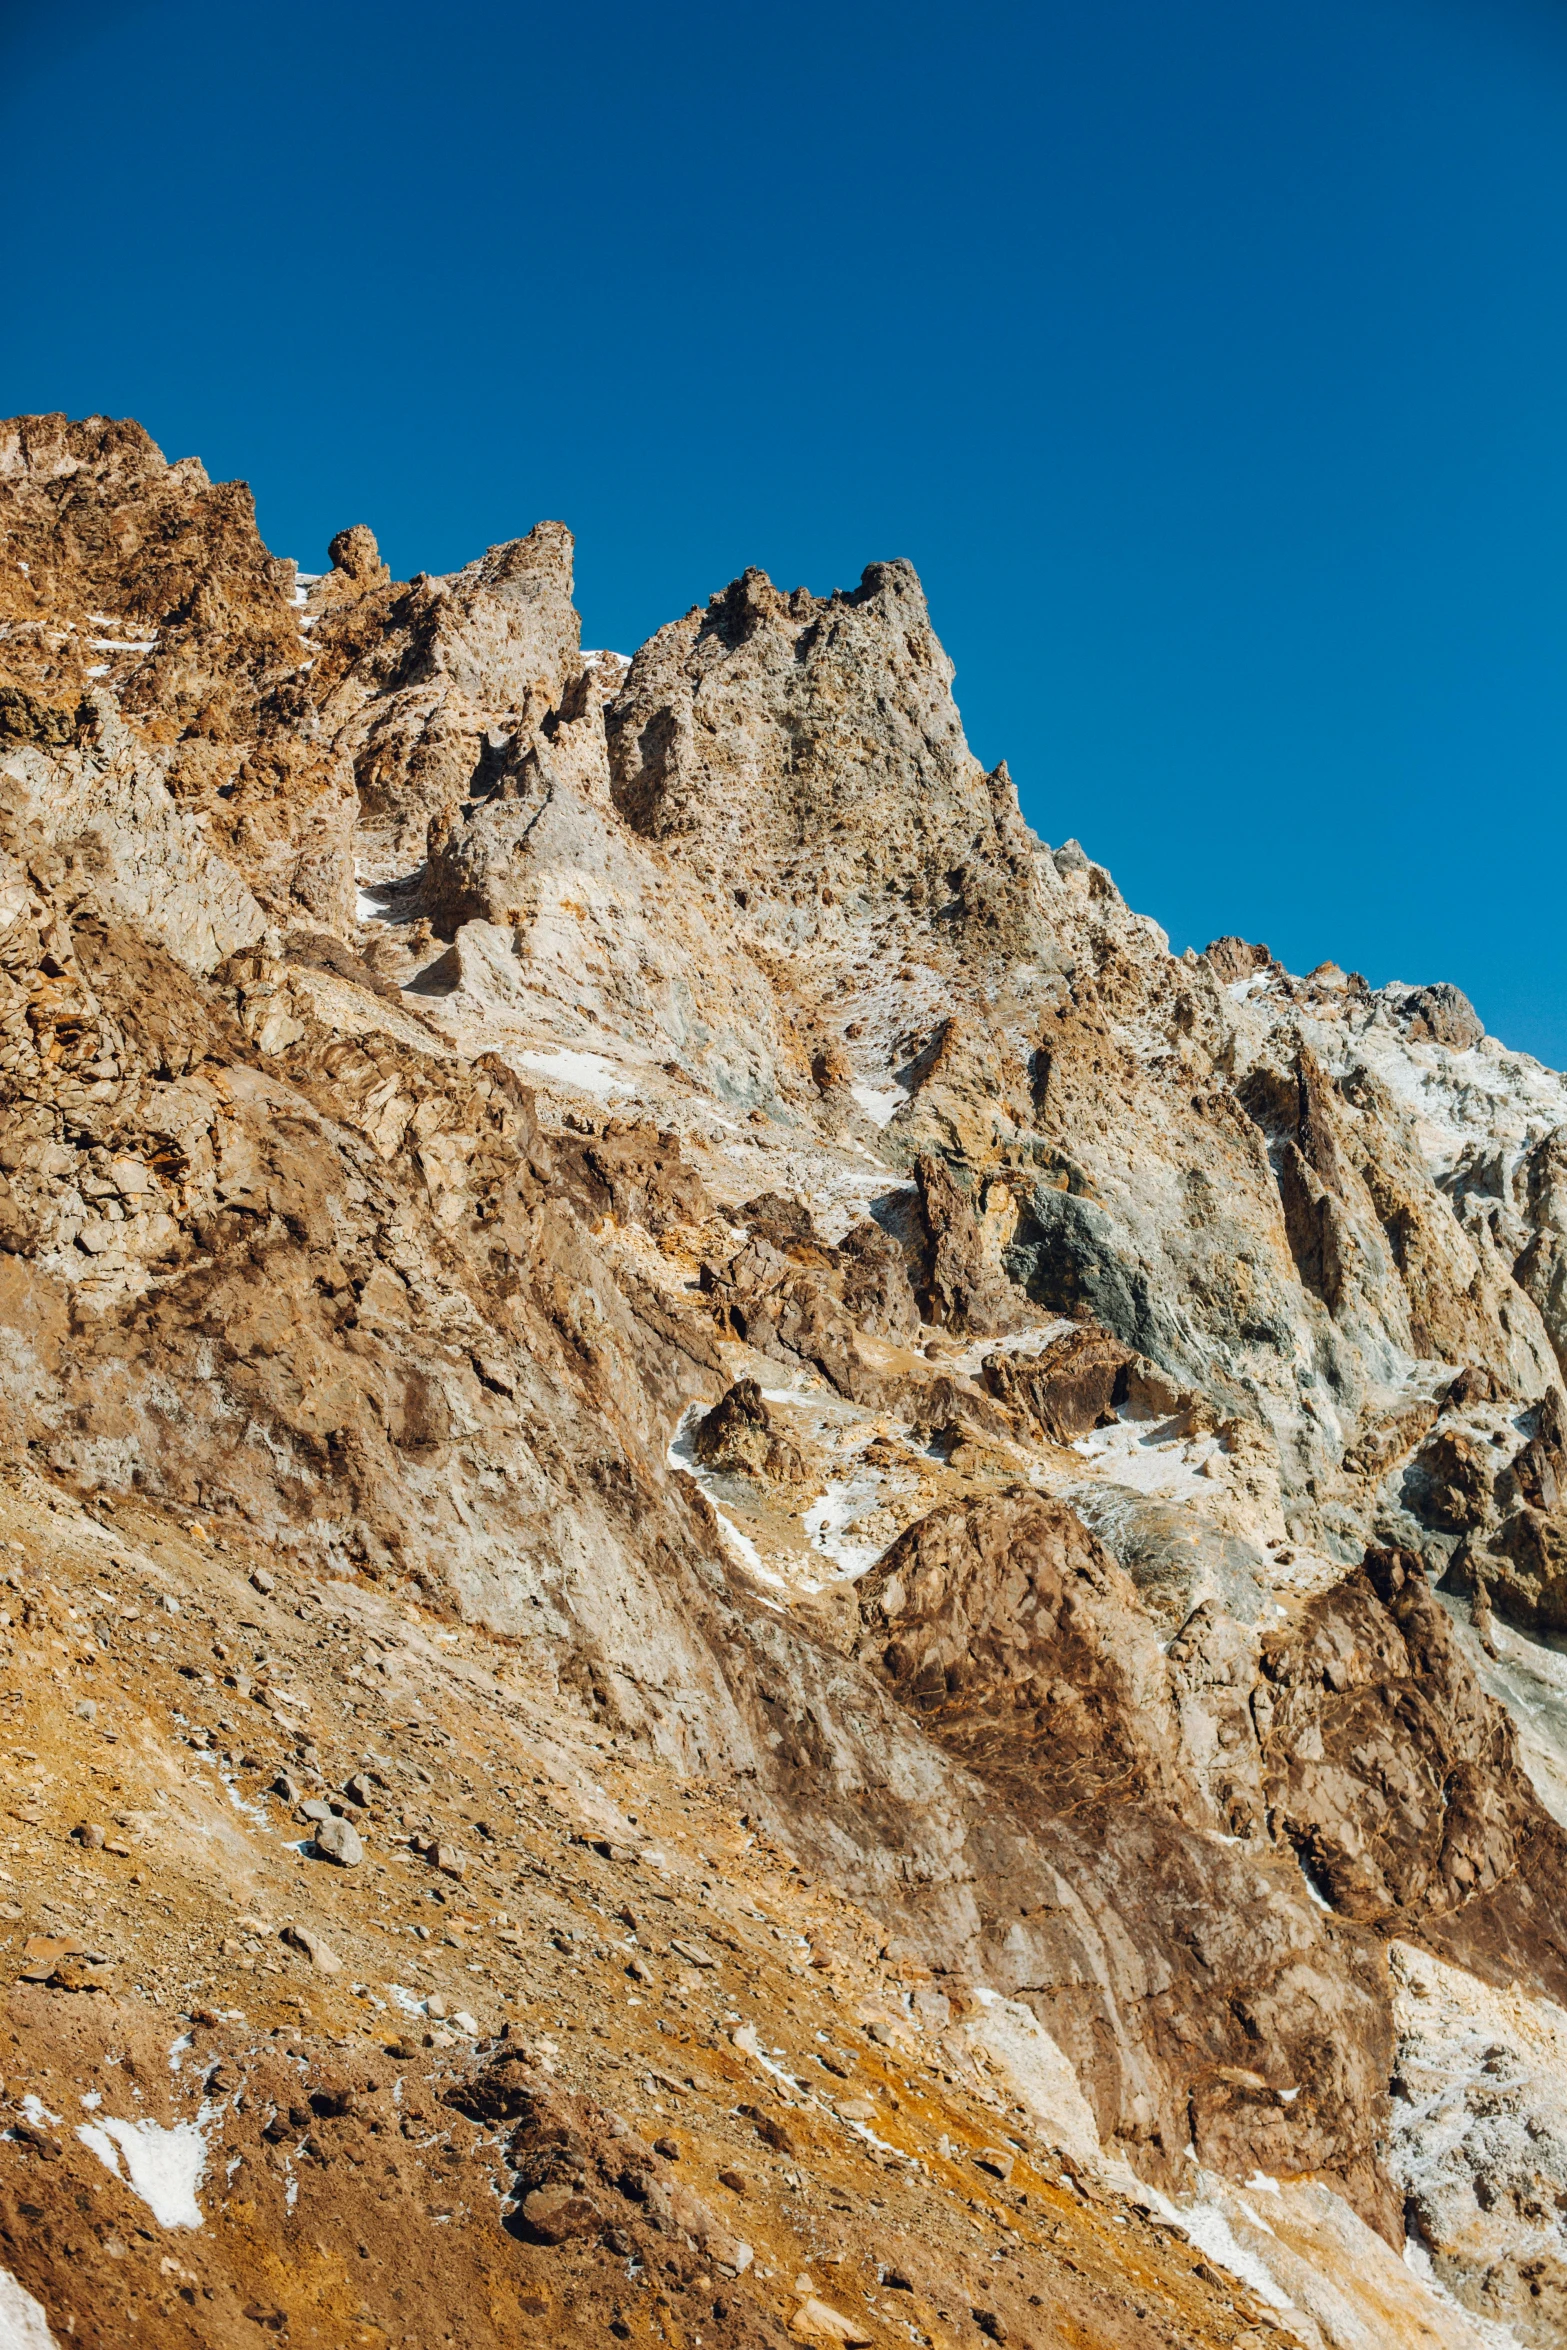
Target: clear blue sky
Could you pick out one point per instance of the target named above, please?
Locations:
(1209, 359)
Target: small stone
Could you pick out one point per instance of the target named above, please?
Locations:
(772, 2133)
(448, 1860)
(76, 1974)
(465, 2023)
(997, 2161)
(263, 1582)
(287, 1786)
(639, 1971)
(818, 2323)
(86, 1709)
(337, 1841)
(989, 2324)
(89, 1837)
(313, 1808)
(435, 2005)
(555, 2214)
(357, 1789)
(667, 2148)
(692, 1955)
(319, 1952)
(734, 2180)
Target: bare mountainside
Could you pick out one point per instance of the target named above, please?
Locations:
(762, 1588)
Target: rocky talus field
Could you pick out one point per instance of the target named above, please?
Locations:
(756, 1587)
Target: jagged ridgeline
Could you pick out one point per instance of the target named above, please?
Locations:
(654, 1162)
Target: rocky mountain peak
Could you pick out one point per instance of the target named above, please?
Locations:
(703, 1464)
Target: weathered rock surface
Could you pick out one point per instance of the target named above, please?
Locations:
(721, 1209)
(1479, 2141)
(740, 1434)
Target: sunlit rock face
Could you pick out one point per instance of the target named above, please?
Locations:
(652, 1165)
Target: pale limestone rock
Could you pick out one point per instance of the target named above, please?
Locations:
(107, 810)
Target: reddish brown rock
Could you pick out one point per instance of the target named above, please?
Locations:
(741, 1434)
(1071, 1386)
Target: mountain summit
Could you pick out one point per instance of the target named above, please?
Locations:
(755, 1570)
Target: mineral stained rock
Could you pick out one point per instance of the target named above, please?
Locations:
(851, 1469)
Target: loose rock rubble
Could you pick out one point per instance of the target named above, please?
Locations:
(576, 2059)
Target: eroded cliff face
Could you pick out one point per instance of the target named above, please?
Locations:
(654, 1167)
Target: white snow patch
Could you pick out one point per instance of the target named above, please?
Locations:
(880, 1102)
(163, 2166)
(252, 1811)
(36, 2110)
(827, 1524)
(745, 1549)
(1205, 2225)
(746, 2040)
(1139, 1457)
(586, 1072)
(24, 2323)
